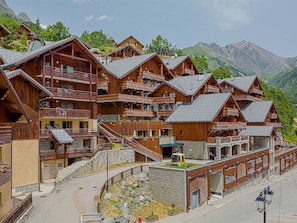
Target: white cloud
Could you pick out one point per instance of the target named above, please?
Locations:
(90, 17)
(81, 1)
(230, 14)
(103, 17)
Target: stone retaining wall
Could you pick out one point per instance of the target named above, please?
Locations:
(115, 156)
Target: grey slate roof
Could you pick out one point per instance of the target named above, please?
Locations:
(120, 68)
(188, 85)
(242, 83)
(9, 55)
(61, 136)
(256, 111)
(203, 109)
(174, 62)
(257, 131)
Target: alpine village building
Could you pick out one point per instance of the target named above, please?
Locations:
(59, 99)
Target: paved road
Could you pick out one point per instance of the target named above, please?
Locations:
(240, 207)
(68, 201)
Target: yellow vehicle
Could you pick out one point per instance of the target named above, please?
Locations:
(177, 159)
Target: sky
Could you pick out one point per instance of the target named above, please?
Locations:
(271, 24)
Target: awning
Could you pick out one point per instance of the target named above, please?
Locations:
(61, 136)
(172, 145)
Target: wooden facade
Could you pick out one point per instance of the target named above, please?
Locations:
(131, 40)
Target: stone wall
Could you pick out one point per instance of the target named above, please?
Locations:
(115, 156)
(193, 149)
(168, 185)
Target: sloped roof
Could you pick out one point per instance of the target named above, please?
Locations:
(256, 111)
(241, 83)
(120, 68)
(44, 49)
(4, 31)
(61, 136)
(188, 85)
(174, 62)
(10, 55)
(19, 72)
(203, 109)
(126, 46)
(257, 131)
(132, 38)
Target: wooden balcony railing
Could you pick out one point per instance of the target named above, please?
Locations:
(73, 153)
(5, 134)
(246, 98)
(75, 76)
(46, 134)
(227, 139)
(5, 173)
(230, 112)
(136, 86)
(165, 112)
(164, 100)
(167, 126)
(103, 85)
(227, 89)
(189, 71)
(273, 116)
(211, 89)
(138, 112)
(254, 90)
(64, 113)
(62, 93)
(228, 125)
(152, 76)
(124, 98)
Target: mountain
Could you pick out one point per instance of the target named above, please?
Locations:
(242, 57)
(5, 8)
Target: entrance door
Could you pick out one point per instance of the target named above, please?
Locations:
(194, 199)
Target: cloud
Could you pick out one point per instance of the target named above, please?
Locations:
(90, 17)
(230, 14)
(103, 17)
(81, 1)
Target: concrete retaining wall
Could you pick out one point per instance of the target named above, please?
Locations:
(116, 156)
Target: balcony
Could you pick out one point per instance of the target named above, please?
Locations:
(230, 112)
(228, 125)
(138, 113)
(189, 71)
(227, 89)
(152, 76)
(75, 76)
(163, 100)
(211, 89)
(5, 173)
(103, 86)
(64, 113)
(273, 116)
(124, 98)
(76, 95)
(73, 153)
(244, 97)
(227, 139)
(46, 134)
(136, 86)
(255, 90)
(5, 135)
(164, 112)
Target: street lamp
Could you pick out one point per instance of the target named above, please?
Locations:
(264, 197)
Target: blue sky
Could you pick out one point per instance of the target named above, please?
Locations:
(270, 24)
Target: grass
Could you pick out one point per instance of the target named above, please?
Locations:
(183, 166)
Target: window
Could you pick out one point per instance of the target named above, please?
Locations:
(181, 132)
(87, 143)
(52, 145)
(52, 124)
(70, 69)
(66, 125)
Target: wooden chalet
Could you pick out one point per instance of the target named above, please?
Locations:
(181, 66)
(244, 89)
(130, 40)
(12, 115)
(3, 32)
(68, 119)
(210, 125)
(127, 50)
(24, 28)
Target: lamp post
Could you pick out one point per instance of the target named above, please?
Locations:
(265, 197)
(107, 169)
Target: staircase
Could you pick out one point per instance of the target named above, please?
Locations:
(138, 147)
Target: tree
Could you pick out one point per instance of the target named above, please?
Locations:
(97, 39)
(221, 72)
(161, 45)
(201, 63)
(56, 32)
(36, 28)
